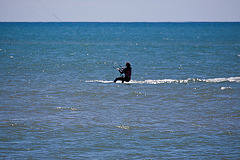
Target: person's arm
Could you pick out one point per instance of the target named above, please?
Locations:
(121, 70)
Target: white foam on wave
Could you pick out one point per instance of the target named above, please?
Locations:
(161, 81)
(70, 108)
(223, 88)
(217, 80)
(99, 81)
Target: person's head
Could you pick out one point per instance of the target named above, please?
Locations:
(128, 64)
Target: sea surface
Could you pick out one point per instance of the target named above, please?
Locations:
(58, 99)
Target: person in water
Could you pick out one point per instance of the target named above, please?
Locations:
(127, 71)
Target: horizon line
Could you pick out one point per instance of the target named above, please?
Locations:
(119, 21)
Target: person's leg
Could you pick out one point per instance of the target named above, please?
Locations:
(118, 78)
(125, 79)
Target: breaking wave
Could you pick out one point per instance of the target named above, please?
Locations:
(160, 81)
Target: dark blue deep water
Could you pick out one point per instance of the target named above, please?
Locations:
(57, 99)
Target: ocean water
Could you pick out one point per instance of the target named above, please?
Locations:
(57, 99)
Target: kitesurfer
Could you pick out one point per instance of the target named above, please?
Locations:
(127, 71)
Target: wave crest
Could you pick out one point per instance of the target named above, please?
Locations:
(161, 81)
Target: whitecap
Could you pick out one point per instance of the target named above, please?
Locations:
(161, 81)
(70, 108)
(123, 127)
(99, 81)
(223, 88)
(217, 80)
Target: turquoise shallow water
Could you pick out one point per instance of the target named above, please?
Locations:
(57, 99)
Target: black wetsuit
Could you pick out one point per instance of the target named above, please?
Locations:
(128, 72)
